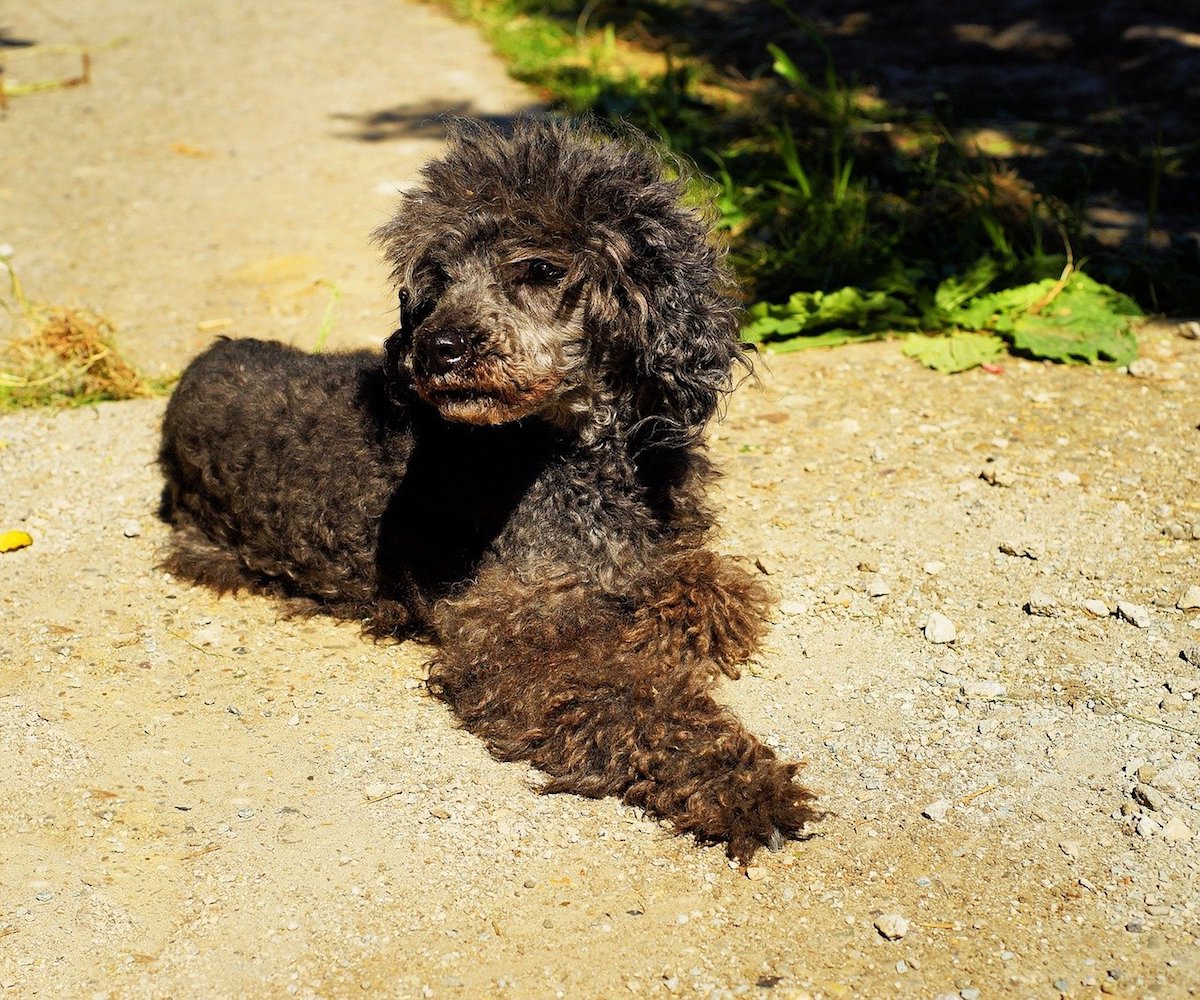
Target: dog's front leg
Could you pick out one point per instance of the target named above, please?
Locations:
(547, 674)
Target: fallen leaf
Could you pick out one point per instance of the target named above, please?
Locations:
(11, 540)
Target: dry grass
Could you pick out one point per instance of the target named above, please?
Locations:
(67, 357)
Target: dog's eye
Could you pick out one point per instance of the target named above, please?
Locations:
(542, 272)
(405, 298)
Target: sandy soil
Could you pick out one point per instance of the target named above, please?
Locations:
(199, 799)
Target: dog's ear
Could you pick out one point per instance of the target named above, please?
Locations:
(672, 326)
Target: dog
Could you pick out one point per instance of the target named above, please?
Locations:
(518, 478)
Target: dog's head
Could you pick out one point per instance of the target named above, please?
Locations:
(554, 272)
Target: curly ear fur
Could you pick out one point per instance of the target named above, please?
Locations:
(658, 295)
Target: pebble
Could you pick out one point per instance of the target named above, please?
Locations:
(1066, 478)
(1146, 827)
(1020, 550)
(794, 608)
(934, 567)
(877, 587)
(1183, 776)
(756, 873)
(1041, 603)
(1173, 703)
(1176, 831)
(984, 689)
(1151, 798)
(1189, 330)
(998, 475)
(936, 811)
(131, 529)
(939, 629)
(970, 993)
(1097, 609)
(1135, 614)
(1190, 601)
(1143, 368)
(1191, 654)
(1135, 926)
(891, 925)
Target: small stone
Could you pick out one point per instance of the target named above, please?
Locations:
(1189, 330)
(1191, 654)
(998, 475)
(991, 690)
(1097, 609)
(934, 567)
(756, 873)
(1143, 368)
(131, 529)
(1151, 798)
(891, 926)
(375, 789)
(937, 810)
(877, 587)
(1176, 831)
(1173, 703)
(1135, 614)
(842, 599)
(794, 609)
(1135, 926)
(1061, 985)
(970, 993)
(439, 813)
(868, 566)
(1067, 478)
(1146, 827)
(1070, 848)
(1181, 777)
(1190, 601)
(939, 629)
(1042, 604)
(1020, 550)
(1147, 773)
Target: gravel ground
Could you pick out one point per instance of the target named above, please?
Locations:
(204, 800)
(986, 648)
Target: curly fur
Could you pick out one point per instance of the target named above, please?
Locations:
(519, 478)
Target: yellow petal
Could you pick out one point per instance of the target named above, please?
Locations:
(10, 540)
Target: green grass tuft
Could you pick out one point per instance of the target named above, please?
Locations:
(847, 218)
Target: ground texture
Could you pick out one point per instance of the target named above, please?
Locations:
(201, 799)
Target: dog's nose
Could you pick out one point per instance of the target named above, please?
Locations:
(443, 351)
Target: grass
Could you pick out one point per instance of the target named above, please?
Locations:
(847, 218)
(66, 357)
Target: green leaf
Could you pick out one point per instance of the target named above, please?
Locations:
(954, 353)
(1080, 321)
(957, 289)
(844, 314)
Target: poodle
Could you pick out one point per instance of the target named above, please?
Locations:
(518, 478)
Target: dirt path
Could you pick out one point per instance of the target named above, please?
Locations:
(201, 800)
(224, 170)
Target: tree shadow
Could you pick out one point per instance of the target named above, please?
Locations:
(1093, 102)
(414, 121)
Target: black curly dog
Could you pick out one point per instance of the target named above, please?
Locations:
(520, 480)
